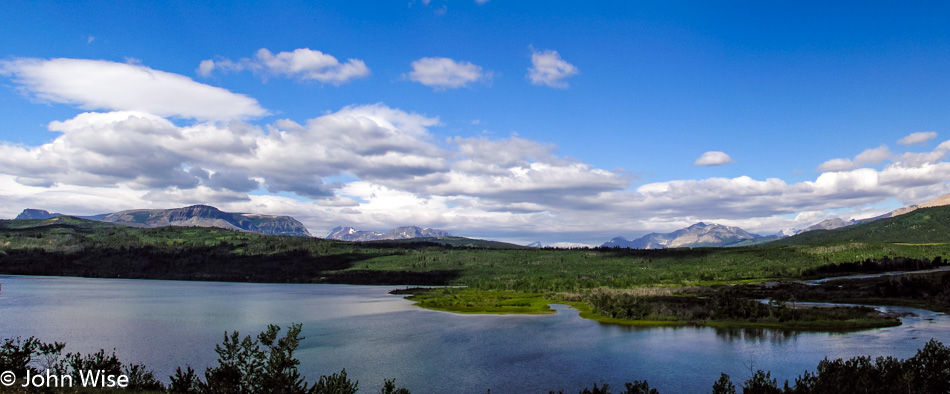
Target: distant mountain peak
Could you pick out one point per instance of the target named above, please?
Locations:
(347, 233)
(31, 213)
(696, 235)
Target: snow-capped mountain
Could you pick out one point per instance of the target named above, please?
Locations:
(351, 234)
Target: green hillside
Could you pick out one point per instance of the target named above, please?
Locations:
(922, 226)
(60, 222)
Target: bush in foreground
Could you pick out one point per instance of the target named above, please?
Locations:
(268, 365)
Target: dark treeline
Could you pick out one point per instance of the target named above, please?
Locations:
(211, 263)
(726, 305)
(931, 291)
(245, 366)
(885, 264)
(267, 365)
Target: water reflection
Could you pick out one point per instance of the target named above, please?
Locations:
(733, 334)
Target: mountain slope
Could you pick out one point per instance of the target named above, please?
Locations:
(830, 224)
(697, 235)
(55, 221)
(30, 213)
(208, 216)
(922, 225)
(836, 223)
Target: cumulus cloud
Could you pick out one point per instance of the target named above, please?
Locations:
(713, 158)
(873, 156)
(868, 156)
(141, 151)
(301, 64)
(444, 73)
(917, 138)
(549, 69)
(105, 85)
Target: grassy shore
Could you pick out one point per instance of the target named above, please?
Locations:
(656, 310)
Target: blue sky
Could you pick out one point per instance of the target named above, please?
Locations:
(382, 114)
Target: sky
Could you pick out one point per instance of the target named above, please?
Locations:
(563, 122)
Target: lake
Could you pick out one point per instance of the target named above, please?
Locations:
(377, 336)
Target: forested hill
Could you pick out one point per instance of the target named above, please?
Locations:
(70, 246)
(925, 225)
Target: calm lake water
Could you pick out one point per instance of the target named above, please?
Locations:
(375, 336)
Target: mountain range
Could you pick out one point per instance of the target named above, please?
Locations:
(195, 215)
(408, 232)
(697, 235)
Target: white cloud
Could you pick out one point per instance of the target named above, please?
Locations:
(868, 156)
(873, 156)
(836, 165)
(100, 84)
(205, 68)
(920, 159)
(301, 63)
(917, 138)
(144, 151)
(444, 73)
(569, 245)
(548, 69)
(713, 158)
